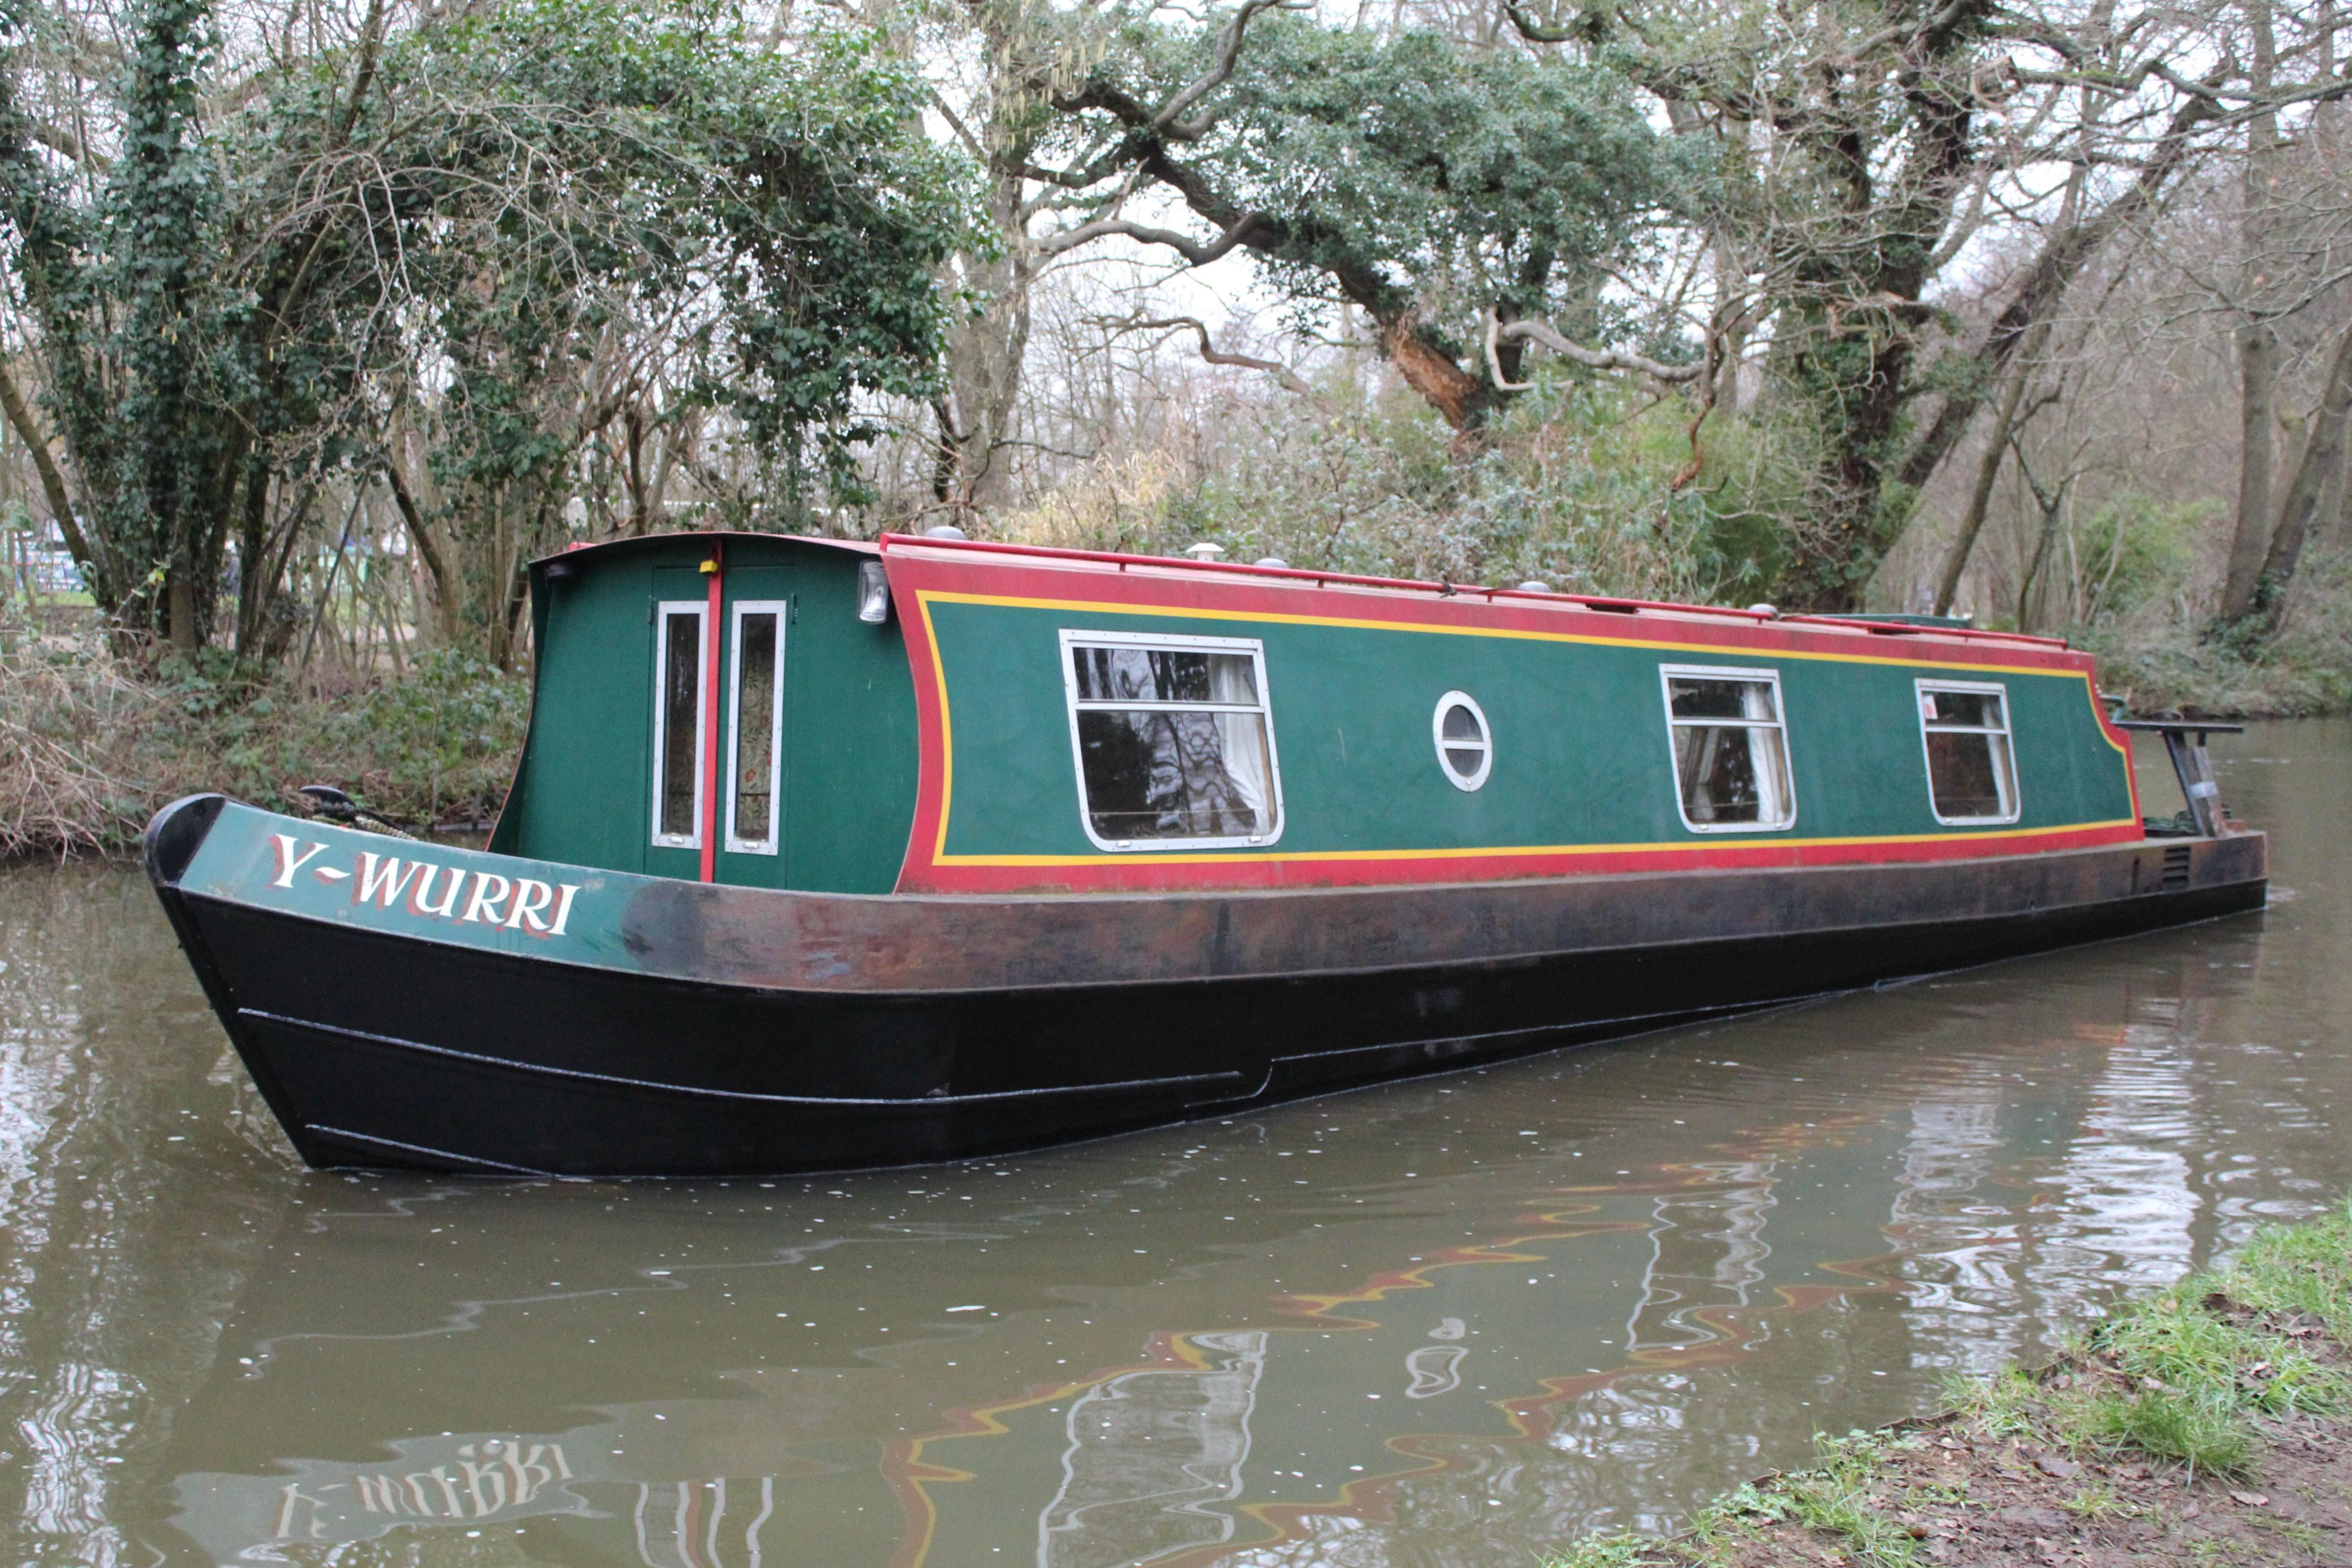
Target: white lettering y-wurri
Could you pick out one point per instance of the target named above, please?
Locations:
(387, 882)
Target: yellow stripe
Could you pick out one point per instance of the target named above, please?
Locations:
(2099, 723)
(1764, 839)
(925, 598)
(947, 733)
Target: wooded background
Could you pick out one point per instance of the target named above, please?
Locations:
(324, 317)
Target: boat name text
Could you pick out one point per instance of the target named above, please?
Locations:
(517, 904)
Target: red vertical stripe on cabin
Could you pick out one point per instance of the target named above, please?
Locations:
(715, 566)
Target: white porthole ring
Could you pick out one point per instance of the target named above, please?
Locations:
(1465, 759)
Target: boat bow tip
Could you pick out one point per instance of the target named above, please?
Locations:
(175, 834)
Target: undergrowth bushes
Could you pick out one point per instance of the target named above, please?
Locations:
(2160, 660)
(92, 744)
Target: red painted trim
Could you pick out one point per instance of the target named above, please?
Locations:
(2121, 739)
(1080, 577)
(1474, 592)
(917, 567)
(930, 764)
(711, 707)
(1138, 873)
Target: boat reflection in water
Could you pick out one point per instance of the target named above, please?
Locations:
(1458, 1323)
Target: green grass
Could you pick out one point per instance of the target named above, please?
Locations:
(1835, 1498)
(1615, 1551)
(2004, 1405)
(2189, 1377)
(2297, 1269)
(2204, 1435)
(2202, 1380)
(2095, 1501)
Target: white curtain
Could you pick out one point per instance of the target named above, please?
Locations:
(1696, 746)
(1767, 756)
(1230, 680)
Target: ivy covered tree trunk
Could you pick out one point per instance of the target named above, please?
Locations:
(123, 313)
(988, 350)
(551, 205)
(1852, 380)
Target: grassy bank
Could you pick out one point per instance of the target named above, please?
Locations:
(2205, 1426)
(90, 745)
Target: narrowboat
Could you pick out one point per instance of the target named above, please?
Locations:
(824, 853)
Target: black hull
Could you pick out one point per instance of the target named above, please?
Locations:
(382, 1051)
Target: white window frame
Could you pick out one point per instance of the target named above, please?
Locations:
(663, 610)
(1485, 746)
(1667, 674)
(1264, 708)
(2008, 732)
(781, 610)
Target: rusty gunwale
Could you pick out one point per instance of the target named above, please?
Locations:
(930, 943)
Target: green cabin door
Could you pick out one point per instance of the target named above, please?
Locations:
(725, 767)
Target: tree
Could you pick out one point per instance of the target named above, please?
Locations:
(1874, 143)
(496, 226)
(1427, 184)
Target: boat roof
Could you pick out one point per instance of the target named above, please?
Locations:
(1183, 568)
(625, 543)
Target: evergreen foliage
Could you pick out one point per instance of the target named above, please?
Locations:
(503, 216)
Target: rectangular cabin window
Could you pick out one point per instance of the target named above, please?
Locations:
(754, 755)
(678, 655)
(1173, 739)
(1730, 749)
(1971, 767)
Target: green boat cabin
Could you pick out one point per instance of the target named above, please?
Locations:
(935, 715)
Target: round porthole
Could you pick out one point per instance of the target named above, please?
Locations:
(1465, 749)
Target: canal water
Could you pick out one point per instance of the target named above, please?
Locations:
(1459, 1321)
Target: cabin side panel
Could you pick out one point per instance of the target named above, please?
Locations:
(1583, 771)
(1859, 749)
(850, 734)
(581, 791)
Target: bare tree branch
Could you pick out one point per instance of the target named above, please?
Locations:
(1192, 251)
(1283, 374)
(1499, 332)
(58, 139)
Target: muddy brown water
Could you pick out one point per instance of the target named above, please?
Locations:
(1457, 1321)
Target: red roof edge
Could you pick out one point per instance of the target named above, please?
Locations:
(1450, 590)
